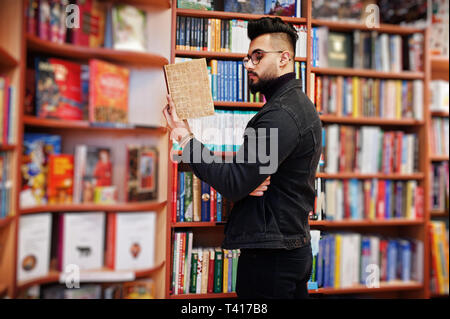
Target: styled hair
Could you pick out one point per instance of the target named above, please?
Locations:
(266, 25)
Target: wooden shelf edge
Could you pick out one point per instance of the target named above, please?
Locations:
(367, 223)
(204, 296)
(7, 147)
(72, 51)
(384, 287)
(416, 176)
(4, 222)
(3, 290)
(406, 75)
(197, 224)
(119, 207)
(163, 4)
(6, 59)
(147, 272)
(33, 121)
(439, 158)
(369, 120)
(439, 213)
(385, 28)
(216, 54)
(237, 104)
(439, 113)
(233, 15)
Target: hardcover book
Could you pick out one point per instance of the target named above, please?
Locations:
(142, 182)
(60, 179)
(58, 89)
(108, 92)
(245, 6)
(340, 50)
(188, 85)
(280, 7)
(128, 24)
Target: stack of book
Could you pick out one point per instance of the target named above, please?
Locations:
(202, 270)
(7, 114)
(439, 258)
(439, 186)
(371, 199)
(355, 97)
(439, 136)
(369, 150)
(6, 173)
(349, 259)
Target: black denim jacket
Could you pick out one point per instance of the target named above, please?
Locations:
(279, 218)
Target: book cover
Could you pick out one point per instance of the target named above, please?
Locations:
(60, 179)
(108, 92)
(131, 241)
(35, 157)
(188, 85)
(142, 181)
(33, 247)
(340, 50)
(139, 289)
(280, 7)
(129, 28)
(81, 240)
(218, 270)
(58, 89)
(205, 205)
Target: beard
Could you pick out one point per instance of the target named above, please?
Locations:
(263, 81)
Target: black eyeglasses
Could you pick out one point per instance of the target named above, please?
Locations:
(256, 56)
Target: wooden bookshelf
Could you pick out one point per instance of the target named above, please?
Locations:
(370, 121)
(6, 60)
(218, 55)
(4, 148)
(237, 105)
(205, 296)
(362, 289)
(416, 176)
(197, 224)
(351, 26)
(366, 223)
(162, 4)
(119, 207)
(6, 221)
(439, 213)
(438, 158)
(77, 52)
(404, 75)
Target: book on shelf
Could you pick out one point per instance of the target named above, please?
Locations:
(288, 8)
(245, 6)
(438, 234)
(130, 241)
(439, 136)
(439, 27)
(6, 184)
(368, 199)
(439, 90)
(7, 111)
(369, 150)
(439, 182)
(201, 270)
(37, 148)
(368, 97)
(341, 10)
(60, 179)
(33, 246)
(108, 92)
(195, 4)
(192, 98)
(87, 291)
(80, 240)
(129, 28)
(142, 180)
(93, 175)
(347, 259)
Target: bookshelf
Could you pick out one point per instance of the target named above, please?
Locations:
(16, 46)
(416, 228)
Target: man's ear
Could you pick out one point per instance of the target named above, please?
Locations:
(286, 56)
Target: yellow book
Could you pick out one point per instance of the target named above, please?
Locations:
(218, 36)
(196, 198)
(356, 96)
(409, 199)
(337, 262)
(439, 274)
(398, 99)
(444, 256)
(225, 271)
(312, 81)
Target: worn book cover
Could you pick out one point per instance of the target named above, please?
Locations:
(188, 85)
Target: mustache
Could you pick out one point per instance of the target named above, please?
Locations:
(251, 72)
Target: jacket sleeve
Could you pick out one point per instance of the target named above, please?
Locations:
(274, 134)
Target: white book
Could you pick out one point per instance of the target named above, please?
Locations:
(176, 262)
(332, 148)
(199, 271)
(340, 200)
(33, 252)
(187, 271)
(418, 99)
(417, 261)
(134, 242)
(82, 240)
(330, 202)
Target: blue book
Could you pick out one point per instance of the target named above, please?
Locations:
(240, 85)
(398, 199)
(230, 270)
(303, 75)
(332, 260)
(387, 199)
(392, 260)
(219, 80)
(219, 207)
(245, 85)
(235, 67)
(182, 194)
(225, 81)
(354, 205)
(320, 263)
(365, 258)
(205, 205)
(405, 252)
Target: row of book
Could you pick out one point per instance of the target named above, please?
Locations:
(369, 150)
(342, 260)
(89, 23)
(7, 114)
(216, 35)
(368, 97)
(439, 91)
(137, 289)
(80, 239)
(439, 281)
(221, 132)
(439, 136)
(6, 173)
(51, 177)
(197, 201)
(439, 186)
(67, 90)
(368, 50)
(370, 199)
(201, 270)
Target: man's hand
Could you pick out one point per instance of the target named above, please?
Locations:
(178, 128)
(259, 191)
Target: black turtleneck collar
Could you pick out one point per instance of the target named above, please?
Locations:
(275, 84)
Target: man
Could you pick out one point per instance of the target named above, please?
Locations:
(268, 223)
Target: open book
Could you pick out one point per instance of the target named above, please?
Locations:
(188, 85)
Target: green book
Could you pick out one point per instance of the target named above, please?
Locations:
(234, 271)
(218, 262)
(193, 284)
(188, 206)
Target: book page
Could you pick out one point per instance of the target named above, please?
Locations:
(188, 85)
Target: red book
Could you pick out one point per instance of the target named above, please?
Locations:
(383, 259)
(342, 159)
(182, 264)
(381, 199)
(419, 202)
(60, 179)
(212, 205)
(346, 199)
(80, 36)
(398, 164)
(211, 271)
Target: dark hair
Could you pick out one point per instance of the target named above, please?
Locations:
(265, 25)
